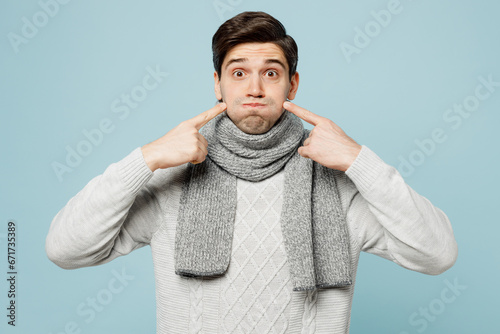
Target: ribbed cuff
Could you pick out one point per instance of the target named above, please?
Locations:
(134, 171)
(366, 168)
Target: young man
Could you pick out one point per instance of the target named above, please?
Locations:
(254, 223)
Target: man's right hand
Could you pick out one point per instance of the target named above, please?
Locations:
(182, 144)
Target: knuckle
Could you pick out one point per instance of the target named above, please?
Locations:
(205, 117)
(192, 131)
(195, 150)
(182, 124)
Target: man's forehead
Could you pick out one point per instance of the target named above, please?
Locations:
(260, 53)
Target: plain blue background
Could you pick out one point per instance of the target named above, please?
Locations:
(393, 92)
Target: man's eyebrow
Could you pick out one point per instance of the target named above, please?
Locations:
(275, 61)
(236, 60)
(243, 60)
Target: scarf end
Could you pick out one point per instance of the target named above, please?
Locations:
(189, 273)
(324, 286)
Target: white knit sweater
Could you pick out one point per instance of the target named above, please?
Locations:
(128, 207)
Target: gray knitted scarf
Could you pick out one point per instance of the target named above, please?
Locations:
(312, 222)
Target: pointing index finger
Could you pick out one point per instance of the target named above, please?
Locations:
(302, 113)
(200, 120)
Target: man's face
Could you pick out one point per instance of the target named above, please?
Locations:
(254, 84)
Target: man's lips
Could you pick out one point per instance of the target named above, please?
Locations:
(254, 105)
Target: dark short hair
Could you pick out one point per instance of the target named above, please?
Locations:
(251, 27)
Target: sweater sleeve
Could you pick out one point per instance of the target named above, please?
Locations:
(115, 213)
(395, 222)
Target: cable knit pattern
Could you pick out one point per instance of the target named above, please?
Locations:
(309, 317)
(196, 305)
(128, 207)
(256, 289)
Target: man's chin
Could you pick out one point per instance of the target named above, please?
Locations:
(253, 125)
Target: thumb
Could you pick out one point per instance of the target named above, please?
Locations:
(304, 152)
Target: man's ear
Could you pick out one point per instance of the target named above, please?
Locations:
(294, 86)
(218, 93)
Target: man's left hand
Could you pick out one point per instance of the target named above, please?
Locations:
(327, 144)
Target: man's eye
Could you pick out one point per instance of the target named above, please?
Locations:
(237, 73)
(274, 74)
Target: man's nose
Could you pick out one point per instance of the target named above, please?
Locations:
(255, 86)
